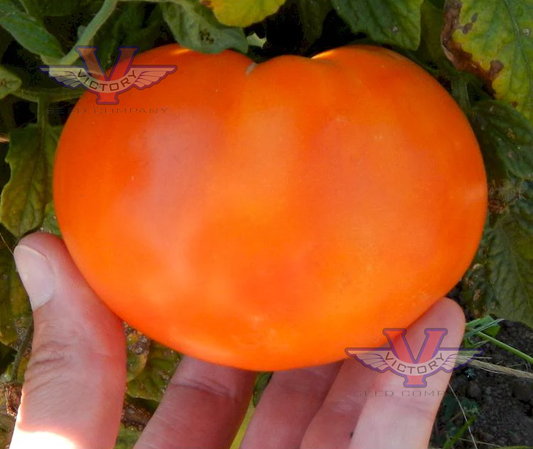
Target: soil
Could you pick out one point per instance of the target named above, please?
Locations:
(500, 405)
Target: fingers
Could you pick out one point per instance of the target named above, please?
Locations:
(202, 408)
(287, 407)
(405, 417)
(75, 381)
(333, 425)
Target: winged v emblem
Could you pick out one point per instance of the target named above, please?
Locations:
(123, 76)
(399, 359)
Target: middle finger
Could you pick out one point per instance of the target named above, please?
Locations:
(287, 407)
(202, 408)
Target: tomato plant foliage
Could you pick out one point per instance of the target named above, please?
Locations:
(481, 50)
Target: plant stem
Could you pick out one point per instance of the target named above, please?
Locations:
(28, 7)
(20, 353)
(508, 348)
(51, 95)
(467, 427)
(451, 442)
(42, 109)
(90, 31)
(460, 92)
(473, 328)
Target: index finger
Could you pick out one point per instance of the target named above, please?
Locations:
(404, 416)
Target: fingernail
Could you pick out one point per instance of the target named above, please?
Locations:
(36, 274)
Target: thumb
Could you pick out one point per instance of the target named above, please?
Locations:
(75, 381)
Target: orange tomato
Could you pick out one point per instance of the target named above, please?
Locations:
(273, 214)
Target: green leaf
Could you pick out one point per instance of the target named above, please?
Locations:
(50, 8)
(487, 325)
(28, 31)
(501, 278)
(152, 381)
(127, 437)
(510, 264)
(432, 22)
(129, 26)
(261, 382)
(232, 13)
(478, 292)
(242, 13)
(15, 312)
(494, 40)
(385, 21)
(9, 82)
(24, 198)
(255, 41)
(312, 16)
(503, 132)
(50, 224)
(138, 348)
(194, 26)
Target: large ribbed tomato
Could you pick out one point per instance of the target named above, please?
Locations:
(277, 213)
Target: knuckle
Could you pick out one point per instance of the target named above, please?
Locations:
(206, 385)
(307, 381)
(346, 405)
(49, 361)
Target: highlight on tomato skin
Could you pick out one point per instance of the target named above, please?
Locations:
(272, 217)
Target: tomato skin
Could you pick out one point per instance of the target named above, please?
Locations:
(276, 213)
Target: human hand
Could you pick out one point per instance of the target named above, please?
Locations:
(75, 382)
